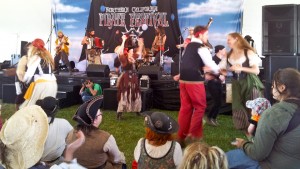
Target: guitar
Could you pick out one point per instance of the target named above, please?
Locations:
(59, 47)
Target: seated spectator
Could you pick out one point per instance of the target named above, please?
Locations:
(158, 149)
(22, 138)
(100, 149)
(202, 156)
(276, 142)
(257, 106)
(89, 89)
(58, 131)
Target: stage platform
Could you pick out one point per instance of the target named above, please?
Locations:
(162, 94)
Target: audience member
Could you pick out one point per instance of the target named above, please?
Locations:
(201, 156)
(58, 131)
(243, 62)
(258, 106)
(90, 89)
(158, 149)
(100, 149)
(39, 68)
(22, 138)
(276, 142)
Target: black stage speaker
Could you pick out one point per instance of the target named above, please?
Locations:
(273, 63)
(154, 72)
(23, 48)
(279, 29)
(95, 70)
(174, 68)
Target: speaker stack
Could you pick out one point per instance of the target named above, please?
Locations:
(281, 39)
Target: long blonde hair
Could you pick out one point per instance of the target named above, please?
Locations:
(42, 53)
(201, 156)
(241, 42)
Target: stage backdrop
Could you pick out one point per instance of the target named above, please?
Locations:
(74, 16)
(110, 18)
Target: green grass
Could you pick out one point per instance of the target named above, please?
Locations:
(128, 131)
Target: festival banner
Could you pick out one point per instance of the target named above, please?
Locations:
(109, 19)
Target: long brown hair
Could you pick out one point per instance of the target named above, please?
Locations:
(241, 43)
(43, 54)
(291, 79)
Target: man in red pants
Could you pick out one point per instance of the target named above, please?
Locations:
(192, 90)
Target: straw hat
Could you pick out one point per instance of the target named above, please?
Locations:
(24, 135)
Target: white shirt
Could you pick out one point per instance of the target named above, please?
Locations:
(206, 57)
(55, 143)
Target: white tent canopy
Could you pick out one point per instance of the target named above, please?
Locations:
(23, 21)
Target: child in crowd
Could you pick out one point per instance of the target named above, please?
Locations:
(258, 106)
(201, 156)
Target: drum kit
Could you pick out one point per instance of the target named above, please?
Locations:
(148, 60)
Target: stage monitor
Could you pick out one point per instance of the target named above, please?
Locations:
(95, 70)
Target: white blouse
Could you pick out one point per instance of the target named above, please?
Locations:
(254, 59)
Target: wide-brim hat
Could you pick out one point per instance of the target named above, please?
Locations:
(160, 122)
(24, 135)
(87, 112)
(258, 104)
(49, 105)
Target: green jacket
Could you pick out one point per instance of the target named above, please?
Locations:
(272, 147)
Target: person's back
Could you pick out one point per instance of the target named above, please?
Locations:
(55, 143)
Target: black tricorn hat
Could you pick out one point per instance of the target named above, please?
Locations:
(160, 122)
(86, 113)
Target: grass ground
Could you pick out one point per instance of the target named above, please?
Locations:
(128, 131)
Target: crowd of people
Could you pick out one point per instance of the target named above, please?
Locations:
(34, 138)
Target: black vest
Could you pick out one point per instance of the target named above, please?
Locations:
(191, 66)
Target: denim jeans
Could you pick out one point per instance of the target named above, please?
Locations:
(237, 159)
(85, 96)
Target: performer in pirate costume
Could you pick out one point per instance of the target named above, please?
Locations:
(39, 68)
(62, 51)
(129, 94)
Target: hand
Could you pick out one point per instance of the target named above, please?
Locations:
(238, 142)
(207, 69)
(124, 37)
(79, 134)
(176, 77)
(236, 68)
(222, 78)
(131, 59)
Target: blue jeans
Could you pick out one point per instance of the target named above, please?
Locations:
(86, 96)
(237, 159)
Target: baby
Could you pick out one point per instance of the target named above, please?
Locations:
(258, 106)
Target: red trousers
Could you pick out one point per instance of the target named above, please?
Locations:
(192, 109)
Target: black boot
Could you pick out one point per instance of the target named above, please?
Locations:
(119, 115)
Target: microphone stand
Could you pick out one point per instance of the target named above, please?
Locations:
(180, 52)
